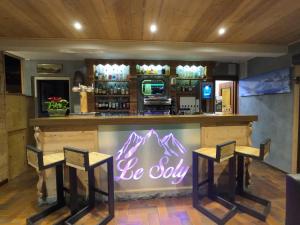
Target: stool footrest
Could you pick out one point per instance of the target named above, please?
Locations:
(219, 220)
(77, 216)
(202, 183)
(100, 191)
(259, 215)
(33, 219)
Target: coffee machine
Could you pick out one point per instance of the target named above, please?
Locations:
(153, 95)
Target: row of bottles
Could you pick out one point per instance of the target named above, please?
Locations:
(112, 77)
(110, 89)
(112, 105)
(186, 88)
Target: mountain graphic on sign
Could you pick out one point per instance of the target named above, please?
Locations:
(169, 144)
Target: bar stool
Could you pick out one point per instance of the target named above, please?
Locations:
(88, 161)
(40, 162)
(259, 154)
(218, 154)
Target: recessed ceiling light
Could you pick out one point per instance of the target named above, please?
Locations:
(222, 31)
(153, 28)
(77, 26)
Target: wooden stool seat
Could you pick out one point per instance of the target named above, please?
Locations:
(210, 153)
(248, 151)
(53, 159)
(96, 158)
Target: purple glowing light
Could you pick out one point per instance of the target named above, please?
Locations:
(127, 160)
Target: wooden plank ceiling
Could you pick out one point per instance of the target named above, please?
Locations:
(247, 21)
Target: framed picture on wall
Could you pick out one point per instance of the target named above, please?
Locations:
(49, 68)
(274, 82)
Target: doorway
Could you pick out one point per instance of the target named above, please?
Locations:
(225, 96)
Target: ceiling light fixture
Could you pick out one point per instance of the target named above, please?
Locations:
(153, 28)
(77, 26)
(222, 31)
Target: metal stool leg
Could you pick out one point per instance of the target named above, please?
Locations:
(240, 175)
(232, 179)
(91, 183)
(60, 185)
(195, 179)
(211, 179)
(60, 198)
(242, 192)
(73, 190)
(111, 197)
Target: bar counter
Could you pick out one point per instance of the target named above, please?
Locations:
(152, 154)
(108, 120)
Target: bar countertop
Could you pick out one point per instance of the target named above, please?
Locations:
(81, 120)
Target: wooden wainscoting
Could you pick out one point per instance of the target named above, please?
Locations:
(19, 109)
(3, 133)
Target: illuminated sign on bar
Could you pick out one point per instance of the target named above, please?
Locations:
(171, 165)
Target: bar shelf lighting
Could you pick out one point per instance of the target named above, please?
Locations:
(153, 69)
(111, 72)
(191, 71)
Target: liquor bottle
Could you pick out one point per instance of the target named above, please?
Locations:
(96, 88)
(104, 89)
(100, 89)
(115, 89)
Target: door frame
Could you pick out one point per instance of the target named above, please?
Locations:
(295, 164)
(234, 93)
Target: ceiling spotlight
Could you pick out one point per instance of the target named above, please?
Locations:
(77, 26)
(222, 31)
(153, 28)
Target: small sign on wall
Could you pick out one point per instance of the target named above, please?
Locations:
(49, 68)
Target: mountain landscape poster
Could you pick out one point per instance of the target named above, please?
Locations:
(275, 82)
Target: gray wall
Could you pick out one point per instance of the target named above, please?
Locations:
(275, 113)
(69, 68)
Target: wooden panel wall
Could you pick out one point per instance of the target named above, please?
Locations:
(3, 133)
(211, 136)
(14, 129)
(19, 109)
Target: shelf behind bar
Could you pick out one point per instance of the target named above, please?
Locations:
(112, 110)
(189, 78)
(108, 96)
(112, 81)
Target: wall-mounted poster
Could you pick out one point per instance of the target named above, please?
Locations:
(275, 82)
